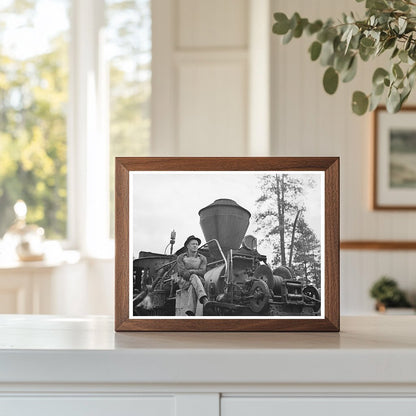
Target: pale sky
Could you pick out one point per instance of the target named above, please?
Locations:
(171, 200)
(49, 18)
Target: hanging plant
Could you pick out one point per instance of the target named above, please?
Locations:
(388, 27)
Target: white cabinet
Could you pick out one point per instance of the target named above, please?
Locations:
(88, 406)
(52, 365)
(325, 406)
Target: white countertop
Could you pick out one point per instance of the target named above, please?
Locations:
(52, 349)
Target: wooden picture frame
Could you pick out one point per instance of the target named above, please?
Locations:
(140, 182)
(394, 158)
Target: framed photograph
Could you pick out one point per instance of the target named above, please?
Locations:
(227, 244)
(394, 159)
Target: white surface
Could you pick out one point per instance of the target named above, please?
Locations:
(54, 365)
(47, 349)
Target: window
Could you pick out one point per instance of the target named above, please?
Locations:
(75, 86)
(33, 98)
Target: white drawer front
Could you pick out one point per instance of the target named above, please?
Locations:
(273, 406)
(87, 406)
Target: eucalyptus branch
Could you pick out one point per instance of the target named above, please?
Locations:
(389, 25)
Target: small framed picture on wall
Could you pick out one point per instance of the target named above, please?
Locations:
(394, 179)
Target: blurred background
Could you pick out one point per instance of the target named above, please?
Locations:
(83, 81)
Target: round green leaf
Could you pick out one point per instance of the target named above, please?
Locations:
(298, 30)
(294, 20)
(376, 4)
(403, 96)
(379, 75)
(315, 50)
(378, 90)
(397, 71)
(342, 61)
(281, 26)
(322, 36)
(412, 52)
(366, 53)
(403, 55)
(408, 42)
(330, 80)
(314, 27)
(288, 37)
(359, 103)
(395, 52)
(374, 102)
(351, 71)
(389, 43)
(393, 101)
(327, 54)
(367, 42)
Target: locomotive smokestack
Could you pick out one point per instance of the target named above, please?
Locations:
(226, 221)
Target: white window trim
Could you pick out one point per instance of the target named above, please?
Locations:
(88, 139)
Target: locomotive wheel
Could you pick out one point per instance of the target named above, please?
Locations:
(259, 296)
(312, 297)
(264, 273)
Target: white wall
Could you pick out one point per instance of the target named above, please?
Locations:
(200, 77)
(308, 122)
(203, 94)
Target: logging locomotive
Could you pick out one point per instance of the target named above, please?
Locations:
(238, 281)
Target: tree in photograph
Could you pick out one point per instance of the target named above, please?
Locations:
(279, 209)
(307, 249)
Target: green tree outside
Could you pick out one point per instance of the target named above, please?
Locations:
(33, 100)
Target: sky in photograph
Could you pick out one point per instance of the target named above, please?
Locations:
(171, 200)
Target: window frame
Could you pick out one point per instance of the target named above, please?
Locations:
(88, 133)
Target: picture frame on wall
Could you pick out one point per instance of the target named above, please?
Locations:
(394, 151)
(227, 244)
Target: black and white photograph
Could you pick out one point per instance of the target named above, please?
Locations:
(223, 244)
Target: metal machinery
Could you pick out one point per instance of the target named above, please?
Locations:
(238, 281)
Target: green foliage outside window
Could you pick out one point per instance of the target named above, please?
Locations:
(33, 99)
(34, 103)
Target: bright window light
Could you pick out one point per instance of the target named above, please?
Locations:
(33, 101)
